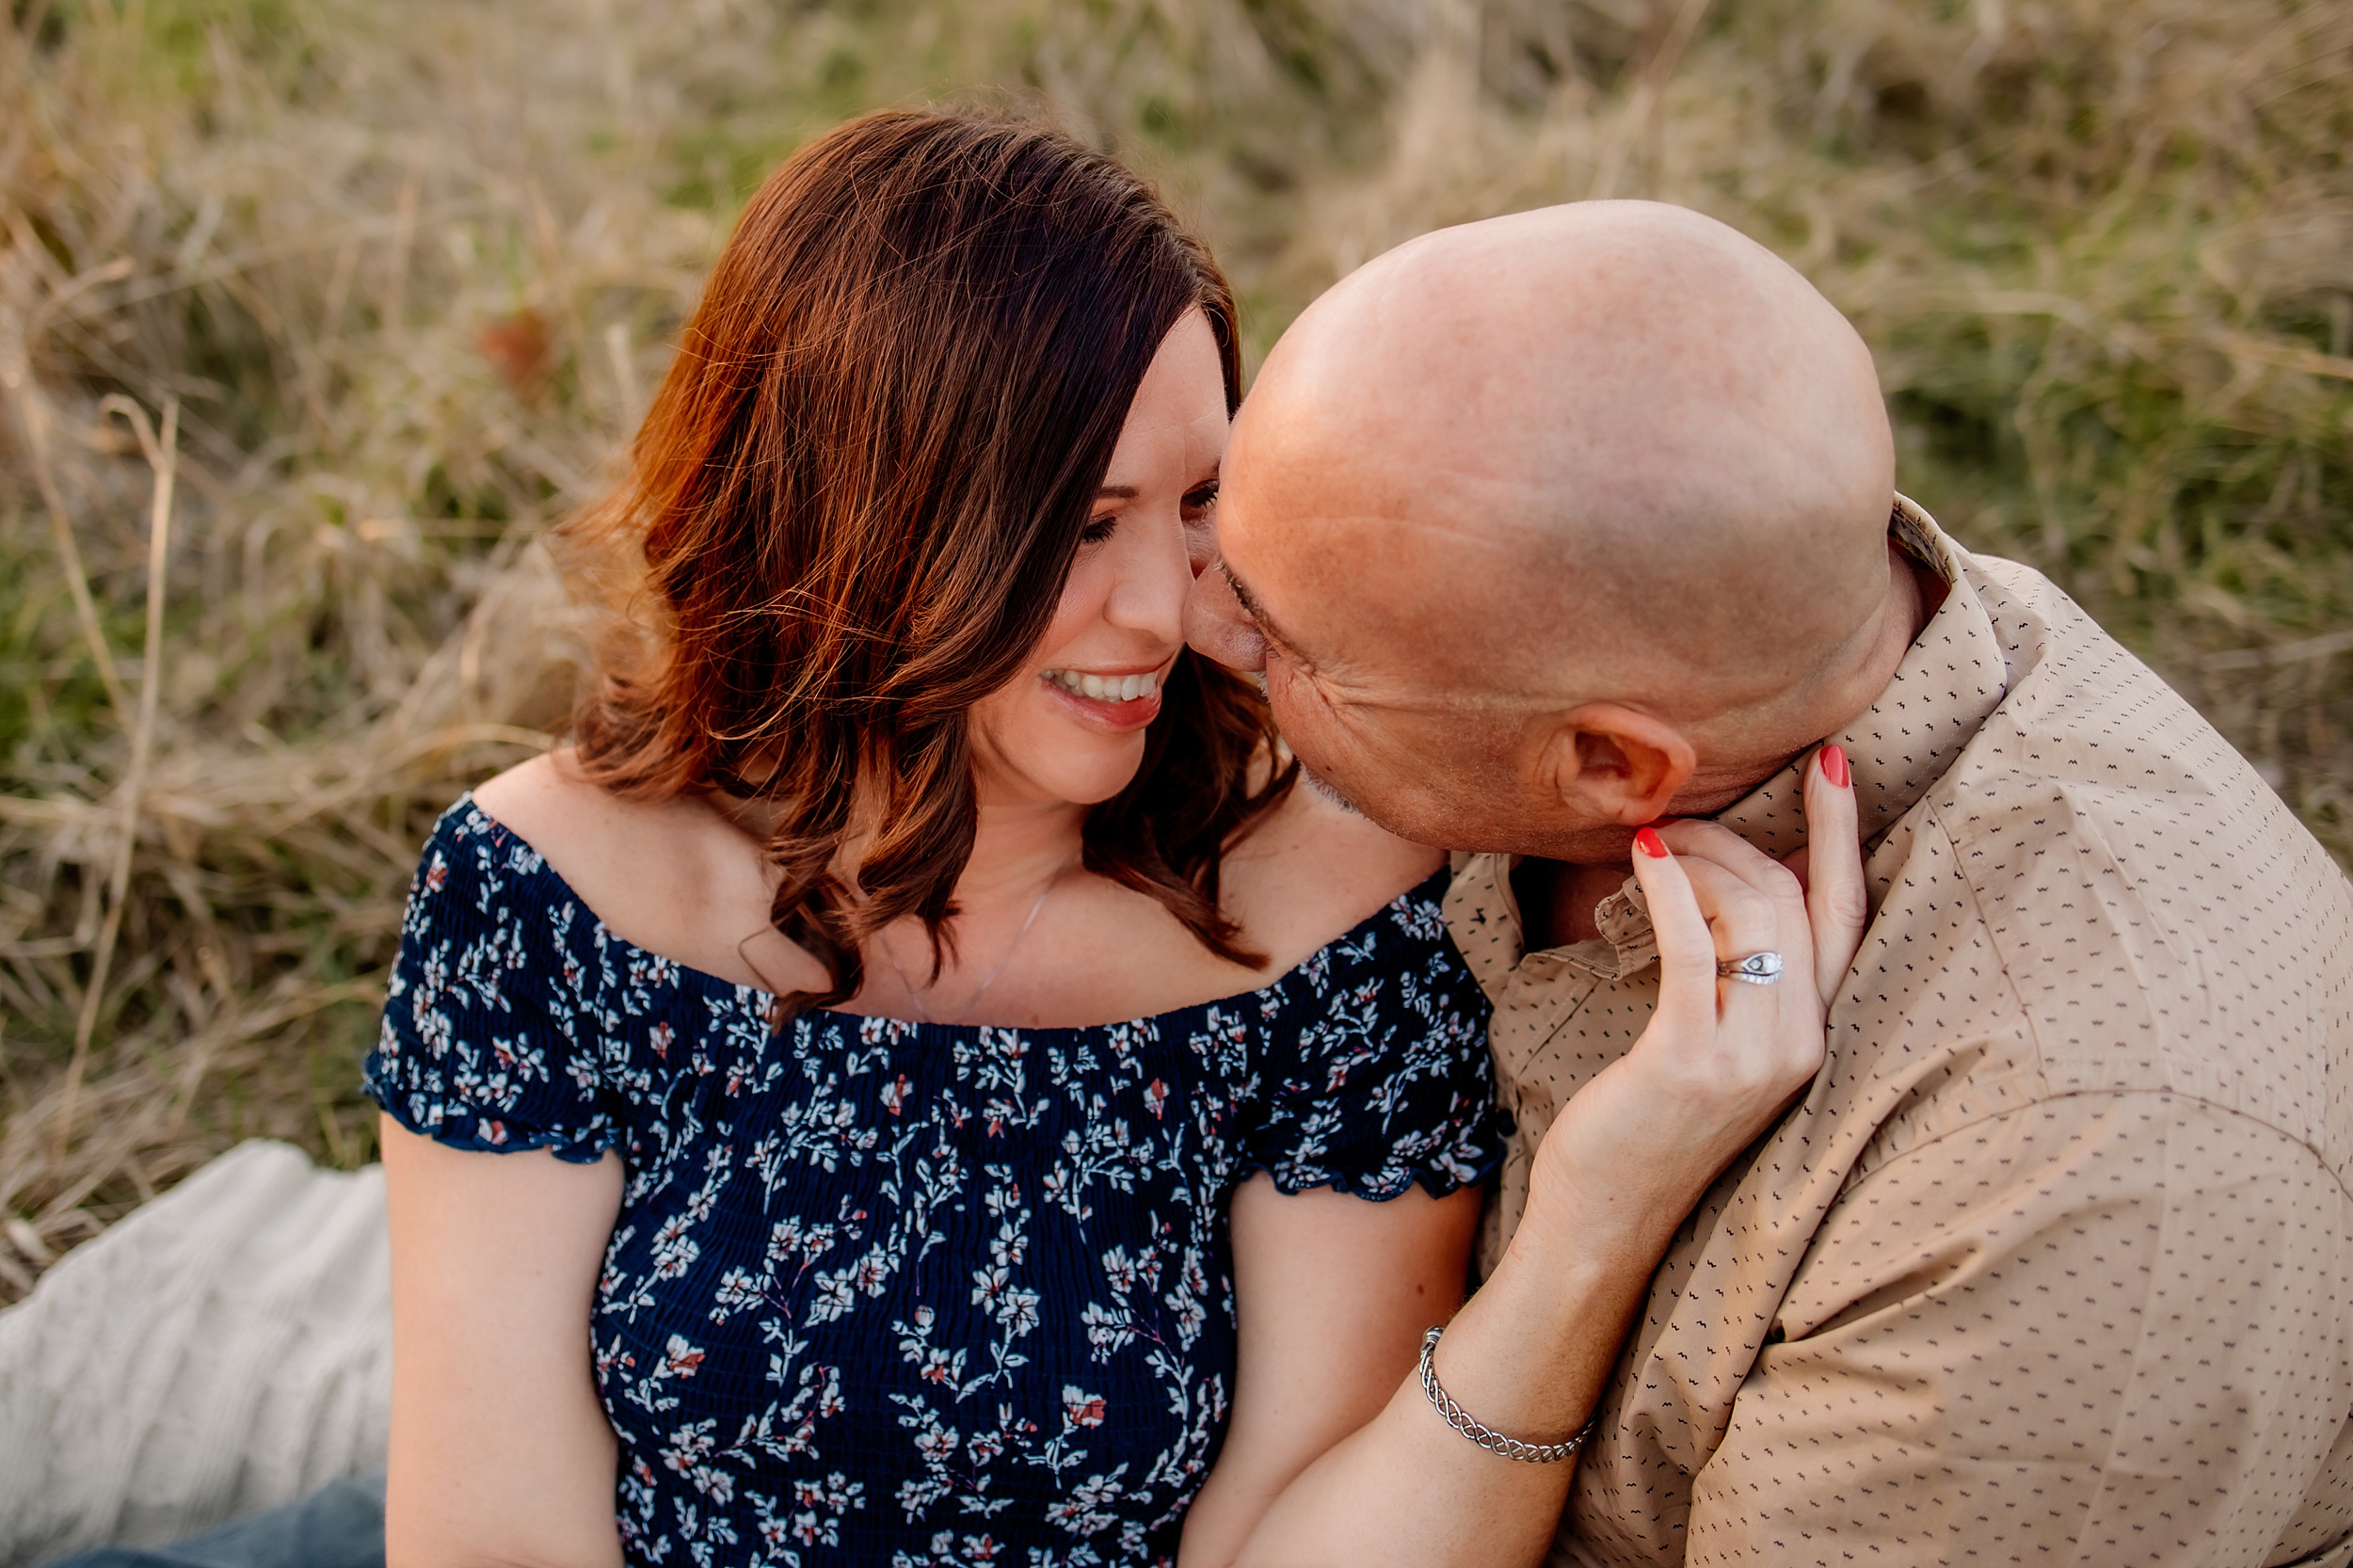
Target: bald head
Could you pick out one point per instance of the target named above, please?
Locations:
(1545, 526)
(1607, 449)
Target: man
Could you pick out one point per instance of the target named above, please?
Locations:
(1547, 527)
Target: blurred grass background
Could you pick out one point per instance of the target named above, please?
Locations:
(314, 313)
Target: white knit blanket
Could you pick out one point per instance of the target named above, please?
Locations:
(225, 1349)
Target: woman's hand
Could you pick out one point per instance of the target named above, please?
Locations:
(1637, 1148)
(1633, 1151)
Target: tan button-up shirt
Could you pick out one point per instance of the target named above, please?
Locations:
(2055, 1261)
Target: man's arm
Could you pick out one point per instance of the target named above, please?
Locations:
(2104, 1328)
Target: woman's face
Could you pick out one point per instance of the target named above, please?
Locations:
(1069, 728)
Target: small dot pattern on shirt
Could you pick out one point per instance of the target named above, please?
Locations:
(2055, 1261)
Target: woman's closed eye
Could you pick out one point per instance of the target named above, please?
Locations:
(1196, 508)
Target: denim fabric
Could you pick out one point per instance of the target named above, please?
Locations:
(340, 1526)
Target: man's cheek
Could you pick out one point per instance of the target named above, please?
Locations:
(1326, 754)
(1295, 710)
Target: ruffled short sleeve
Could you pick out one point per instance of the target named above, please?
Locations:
(488, 1039)
(1388, 1080)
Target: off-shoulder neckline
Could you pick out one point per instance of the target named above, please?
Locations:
(1433, 886)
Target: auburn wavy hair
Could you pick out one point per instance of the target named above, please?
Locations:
(850, 511)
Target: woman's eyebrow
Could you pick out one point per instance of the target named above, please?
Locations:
(1117, 492)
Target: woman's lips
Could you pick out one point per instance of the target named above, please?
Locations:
(1100, 698)
(1107, 685)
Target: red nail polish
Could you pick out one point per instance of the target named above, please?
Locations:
(1650, 843)
(1835, 766)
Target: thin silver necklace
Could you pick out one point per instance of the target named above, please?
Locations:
(916, 996)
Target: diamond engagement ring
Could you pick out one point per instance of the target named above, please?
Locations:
(1757, 969)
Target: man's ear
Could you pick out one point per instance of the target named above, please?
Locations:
(1613, 763)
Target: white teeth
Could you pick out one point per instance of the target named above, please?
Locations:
(1116, 688)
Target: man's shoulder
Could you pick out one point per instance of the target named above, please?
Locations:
(2093, 770)
(2156, 916)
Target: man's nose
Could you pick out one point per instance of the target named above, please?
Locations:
(1218, 627)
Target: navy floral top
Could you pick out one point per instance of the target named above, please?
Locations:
(915, 1294)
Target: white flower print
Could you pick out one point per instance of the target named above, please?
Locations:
(886, 1292)
(1108, 1331)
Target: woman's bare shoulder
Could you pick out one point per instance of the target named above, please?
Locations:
(671, 876)
(1312, 871)
(550, 806)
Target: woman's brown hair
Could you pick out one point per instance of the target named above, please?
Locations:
(853, 504)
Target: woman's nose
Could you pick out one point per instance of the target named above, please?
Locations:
(1218, 627)
(1153, 576)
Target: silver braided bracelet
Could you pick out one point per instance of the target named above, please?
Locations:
(1479, 1432)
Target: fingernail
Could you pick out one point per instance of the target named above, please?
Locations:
(1835, 766)
(1650, 843)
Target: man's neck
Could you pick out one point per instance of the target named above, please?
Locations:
(1557, 897)
(1839, 696)
(1563, 901)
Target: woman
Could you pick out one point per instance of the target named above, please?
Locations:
(821, 1090)
(914, 1084)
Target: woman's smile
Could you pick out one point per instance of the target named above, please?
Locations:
(1117, 700)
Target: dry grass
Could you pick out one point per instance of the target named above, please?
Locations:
(314, 312)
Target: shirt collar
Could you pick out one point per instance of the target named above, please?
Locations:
(1951, 677)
